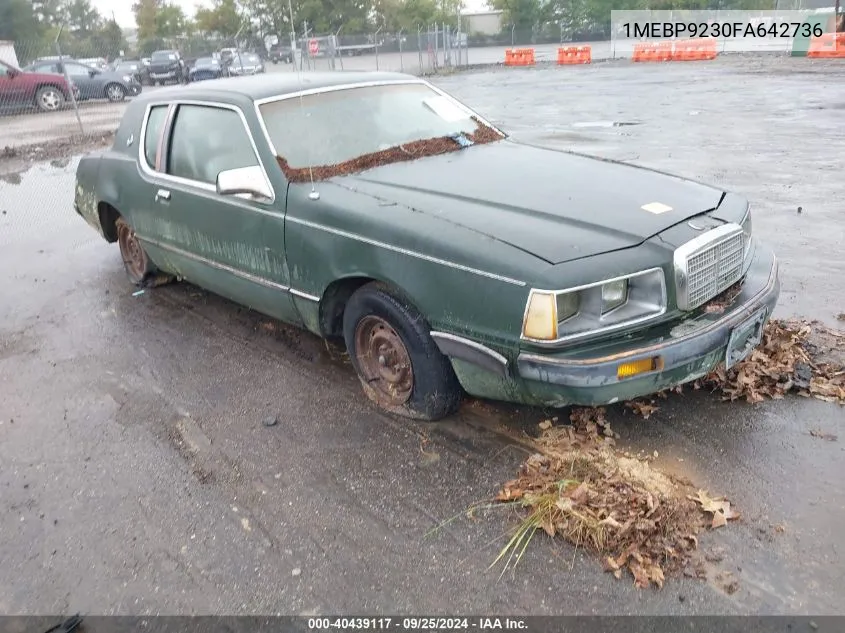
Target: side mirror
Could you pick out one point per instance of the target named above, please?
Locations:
(244, 180)
(92, 72)
(11, 73)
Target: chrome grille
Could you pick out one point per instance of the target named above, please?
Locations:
(708, 265)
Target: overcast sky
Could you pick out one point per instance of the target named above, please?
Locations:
(123, 8)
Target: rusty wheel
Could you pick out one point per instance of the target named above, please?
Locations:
(135, 260)
(384, 361)
(399, 364)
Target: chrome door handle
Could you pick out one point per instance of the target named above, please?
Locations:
(162, 194)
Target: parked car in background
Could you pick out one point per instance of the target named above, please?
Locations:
(281, 53)
(226, 55)
(207, 68)
(448, 257)
(134, 67)
(167, 66)
(43, 90)
(245, 64)
(100, 63)
(93, 83)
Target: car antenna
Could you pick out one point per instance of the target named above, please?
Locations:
(314, 195)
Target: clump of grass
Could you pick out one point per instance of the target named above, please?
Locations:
(579, 488)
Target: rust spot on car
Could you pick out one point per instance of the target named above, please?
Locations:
(409, 151)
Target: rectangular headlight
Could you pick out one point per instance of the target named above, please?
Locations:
(613, 295)
(594, 308)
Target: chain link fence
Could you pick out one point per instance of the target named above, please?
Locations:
(63, 86)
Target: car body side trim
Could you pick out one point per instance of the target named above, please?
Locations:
(404, 251)
(466, 349)
(224, 267)
(304, 295)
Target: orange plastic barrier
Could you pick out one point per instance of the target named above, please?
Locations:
(695, 50)
(574, 55)
(827, 46)
(519, 57)
(679, 51)
(649, 52)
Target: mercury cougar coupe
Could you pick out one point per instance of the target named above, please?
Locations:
(377, 210)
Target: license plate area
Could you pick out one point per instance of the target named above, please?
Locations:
(745, 337)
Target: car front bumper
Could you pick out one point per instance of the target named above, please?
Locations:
(171, 74)
(680, 353)
(676, 352)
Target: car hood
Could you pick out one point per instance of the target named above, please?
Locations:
(556, 205)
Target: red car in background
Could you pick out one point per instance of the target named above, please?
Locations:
(47, 92)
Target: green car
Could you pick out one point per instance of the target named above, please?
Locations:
(375, 209)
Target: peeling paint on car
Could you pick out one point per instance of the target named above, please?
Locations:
(249, 257)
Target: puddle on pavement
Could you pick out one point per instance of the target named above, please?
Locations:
(37, 200)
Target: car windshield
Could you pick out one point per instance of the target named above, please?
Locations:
(163, 56)
(205, 61)
(392, 123)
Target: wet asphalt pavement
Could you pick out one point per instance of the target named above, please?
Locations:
(136, 475)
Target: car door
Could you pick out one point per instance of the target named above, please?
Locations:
(231, 245)
(81, 75)
(12, 87)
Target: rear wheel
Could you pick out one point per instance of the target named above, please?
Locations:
(115, 92)
(137, 264)
(49, 99)
(400, 366)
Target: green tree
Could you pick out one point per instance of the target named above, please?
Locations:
(19, 23)
(49, 12)
(523, 14)
(145, 17)
(82, 18)
(222, 18)
(170, 21)
(110, 40)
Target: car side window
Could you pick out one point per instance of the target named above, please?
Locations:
(77, 70)
(155, 123)
(207, 140)
(3, 71)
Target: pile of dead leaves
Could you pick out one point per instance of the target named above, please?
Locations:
(791, 357)
(801, 357)
(579, 488)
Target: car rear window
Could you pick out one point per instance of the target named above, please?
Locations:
(154, 126)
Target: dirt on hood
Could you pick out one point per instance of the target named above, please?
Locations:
(399, 153)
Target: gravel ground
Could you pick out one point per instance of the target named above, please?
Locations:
(137, 475)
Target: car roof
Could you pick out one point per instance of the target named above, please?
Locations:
(268, 85)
